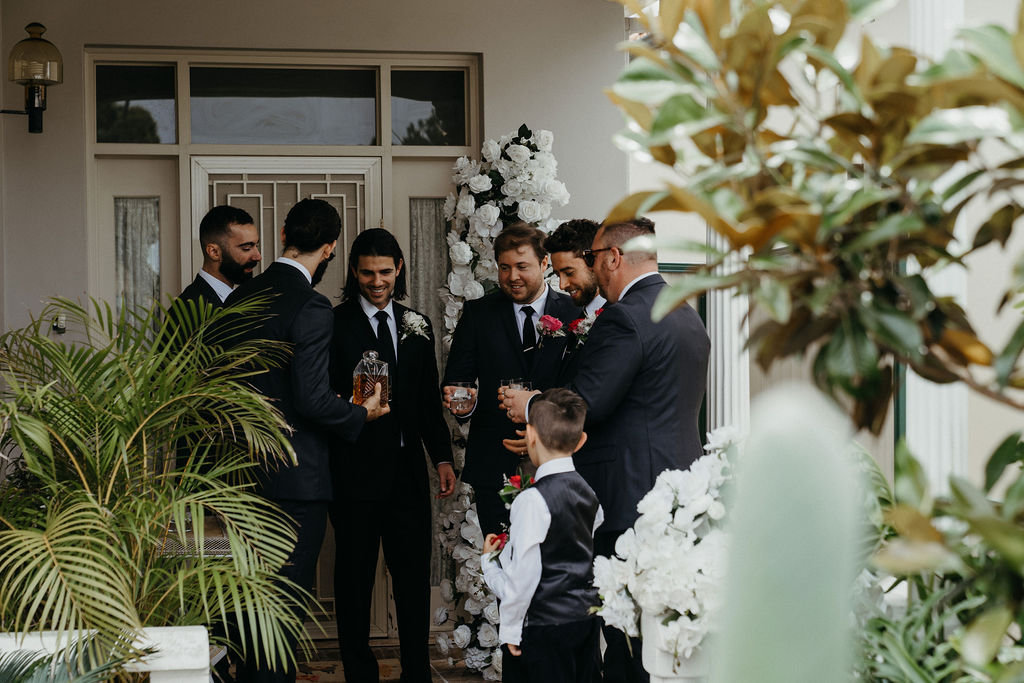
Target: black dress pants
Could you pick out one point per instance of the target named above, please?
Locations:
(563, 653)
(402, 525)
(620, 665)
(310, 519)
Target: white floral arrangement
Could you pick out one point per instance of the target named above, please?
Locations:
(672, 562)
(514, 180)
(414, 324)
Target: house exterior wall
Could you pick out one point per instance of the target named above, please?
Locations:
(544, 63)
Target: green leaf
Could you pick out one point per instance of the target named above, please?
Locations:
(910, 485)
(893, 328)
(851, 358)
(845, 77)
(864, 197)
(970, 500)
(1006, 361)
(992, 45)
(1006, 454)
(890, 227)
(864, 10)
(952, 126)
(773, 296)
(679, 109)
(983, 636)
(688, 286)
(1013, 500)
(1005, 537)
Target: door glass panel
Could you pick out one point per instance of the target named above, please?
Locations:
(137, 247)
(269, 106)
(428, 107)
(135, 104)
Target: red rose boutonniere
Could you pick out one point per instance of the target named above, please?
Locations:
(580, 327)
(513, 487)
(548, 327)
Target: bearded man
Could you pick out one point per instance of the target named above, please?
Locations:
(231, 250)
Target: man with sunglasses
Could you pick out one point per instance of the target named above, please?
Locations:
(643, 382)
(300, 388)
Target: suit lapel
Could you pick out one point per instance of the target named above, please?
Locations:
(507, 313)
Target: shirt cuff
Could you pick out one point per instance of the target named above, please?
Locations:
(526, 411)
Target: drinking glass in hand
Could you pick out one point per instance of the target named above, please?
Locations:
(463, 397)
(518, 384)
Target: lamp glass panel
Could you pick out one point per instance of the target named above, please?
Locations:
(135, 103)
(283, 106)
(428, 107)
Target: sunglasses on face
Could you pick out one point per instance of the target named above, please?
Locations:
(589, 255)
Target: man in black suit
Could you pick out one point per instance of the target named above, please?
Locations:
(300, 388)
(381, 487)
(497, 338)
(231, 249)
(643, 382)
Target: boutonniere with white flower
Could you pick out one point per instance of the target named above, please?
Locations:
(548, 327)
(414, 324)
(580, 327)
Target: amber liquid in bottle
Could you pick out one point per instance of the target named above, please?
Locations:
(363, 386)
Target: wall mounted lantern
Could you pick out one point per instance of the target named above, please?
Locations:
(35, 63)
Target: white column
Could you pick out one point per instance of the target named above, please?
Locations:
(937, 414)
(729, 365)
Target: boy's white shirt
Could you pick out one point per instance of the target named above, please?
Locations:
(514, 578)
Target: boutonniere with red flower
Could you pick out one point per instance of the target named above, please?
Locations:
(580, 327)
(548, 327)
(514, 485)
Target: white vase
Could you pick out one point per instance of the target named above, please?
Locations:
(661, 663)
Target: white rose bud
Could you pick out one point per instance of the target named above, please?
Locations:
(518, 153)
(531, 212)
(543, 139)
(490, 150)
(462, 635)
(461, 254)
(480, 183)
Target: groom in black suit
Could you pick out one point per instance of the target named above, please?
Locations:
(497, 338)
(300, 388)
(231, 250)
(381, 488)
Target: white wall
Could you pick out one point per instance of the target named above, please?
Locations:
(544, 63)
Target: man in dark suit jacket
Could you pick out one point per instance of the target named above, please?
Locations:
(381, 487)
(300, 388)
(231, 250)
(488, 346)
(643, 382)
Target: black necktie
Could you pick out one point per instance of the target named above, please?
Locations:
(385, 345)
(529, 330)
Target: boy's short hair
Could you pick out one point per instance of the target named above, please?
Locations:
(558, 416)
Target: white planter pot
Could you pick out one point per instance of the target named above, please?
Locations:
(662, 665)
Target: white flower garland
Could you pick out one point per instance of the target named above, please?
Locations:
(514, 181)
(673, 561)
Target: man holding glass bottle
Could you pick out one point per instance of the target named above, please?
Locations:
(498, 343)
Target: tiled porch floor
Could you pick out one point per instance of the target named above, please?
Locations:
(327, 667)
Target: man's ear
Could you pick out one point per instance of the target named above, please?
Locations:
(531, 434)
(212, 251)
(583, 440)
(398, 268)
(544, 263)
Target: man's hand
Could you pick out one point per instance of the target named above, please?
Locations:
(460, 410)
(446, 475)
(513, 402)
(373, 407)
(514, 650)
(517, 446)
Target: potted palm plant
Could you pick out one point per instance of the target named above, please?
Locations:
(119, 445)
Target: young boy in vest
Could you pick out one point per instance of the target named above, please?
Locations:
(544, 575)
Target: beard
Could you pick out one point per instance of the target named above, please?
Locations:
(236, 272)
(318, 274)
(585, 295)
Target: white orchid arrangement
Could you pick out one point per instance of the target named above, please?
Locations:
(514, 180)
(672, 562)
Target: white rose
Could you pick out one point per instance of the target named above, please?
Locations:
(487, 635)
(461, 254)
(543, 139)
(476, 658)
(505, 167)
(488, 213)
(473, 606)
(462, 635)
(449, 206)
(491, 613)
(531, 212)
(496, 660)
(490, 150)
(480, 183)
(512, 189)
(466, 205)
(518, 153)
(447, 590)
(556, 192)
(443, 644)
(473, 290)
(440, 615)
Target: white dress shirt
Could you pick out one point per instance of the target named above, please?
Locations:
(538, 310)
(516, 574)
(220, 288)
(598, 302)
(295, 264)
(635, 280)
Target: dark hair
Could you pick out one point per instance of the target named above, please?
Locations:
(575, 236)
(373, 242)
(217, 220)
(558, 416)
(311, 224)
(516, 235)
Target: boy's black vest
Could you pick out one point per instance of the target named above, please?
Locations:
(566, 591)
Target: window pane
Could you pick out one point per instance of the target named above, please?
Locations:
(135, 104)
(284, 106)
(137, 246)
(428, 107)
